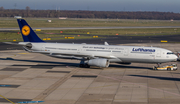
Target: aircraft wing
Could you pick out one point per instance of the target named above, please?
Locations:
(85, 55)
(73, 54)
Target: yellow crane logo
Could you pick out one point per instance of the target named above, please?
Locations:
(25, 30)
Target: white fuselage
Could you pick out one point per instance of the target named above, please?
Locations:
(114, 53)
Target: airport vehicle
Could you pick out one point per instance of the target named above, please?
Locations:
(167, 67)
(92, 54)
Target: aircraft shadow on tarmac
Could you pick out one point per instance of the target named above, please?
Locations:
(130, 67)
(51, 63)
(155, 77)
(61, 64)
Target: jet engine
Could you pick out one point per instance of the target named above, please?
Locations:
(100, 62)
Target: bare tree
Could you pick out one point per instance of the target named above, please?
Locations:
(90, 14)
(2, 8)
(28, 8)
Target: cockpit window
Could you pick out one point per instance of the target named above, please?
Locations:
(170, 53)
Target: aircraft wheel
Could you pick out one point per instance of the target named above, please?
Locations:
(168, 68)
(86, 66)
(154, 68)
(81, 65)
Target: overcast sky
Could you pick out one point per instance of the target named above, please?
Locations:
(96, 5)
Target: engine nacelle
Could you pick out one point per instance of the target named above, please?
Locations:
(100, 62)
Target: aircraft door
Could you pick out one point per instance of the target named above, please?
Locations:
(126, 52)
(43, 48)
(158, 53)
(79, 49)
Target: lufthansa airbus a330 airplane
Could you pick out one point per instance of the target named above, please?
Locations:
(92, 54)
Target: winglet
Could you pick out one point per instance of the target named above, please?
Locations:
(27, 33)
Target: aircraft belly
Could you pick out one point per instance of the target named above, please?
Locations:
(164, 60)
(138, 60)
(115, 60)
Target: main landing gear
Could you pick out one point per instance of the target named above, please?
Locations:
(83, 64)
(158, 64)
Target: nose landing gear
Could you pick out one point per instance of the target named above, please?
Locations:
(158, 64)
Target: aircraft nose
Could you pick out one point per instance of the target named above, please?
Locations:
(175, 57)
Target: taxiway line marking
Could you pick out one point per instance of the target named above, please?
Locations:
(7, 99)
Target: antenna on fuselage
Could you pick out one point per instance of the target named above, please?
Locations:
(106, 43)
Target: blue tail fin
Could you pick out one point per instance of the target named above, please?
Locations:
(27, 33)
